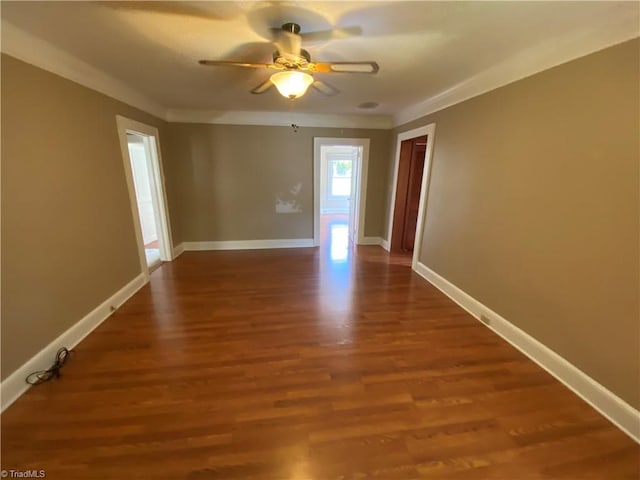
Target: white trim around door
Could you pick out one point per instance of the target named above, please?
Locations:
(152, 140)
(360, 187)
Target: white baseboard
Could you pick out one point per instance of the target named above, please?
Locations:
(370, 241)
(15, 385)
(177, 250)
(249, 244)
(260, 244)
(384, 244)
(619, 412)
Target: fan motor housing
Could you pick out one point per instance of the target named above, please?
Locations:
(302, 59)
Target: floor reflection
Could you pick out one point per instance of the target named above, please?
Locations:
(339, 242)
(334, 237)
(336, 282)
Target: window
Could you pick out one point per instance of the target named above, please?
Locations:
(340, 177)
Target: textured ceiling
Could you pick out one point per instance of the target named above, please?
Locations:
(423, 48)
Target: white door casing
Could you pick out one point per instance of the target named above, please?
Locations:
(358, 197)
(152, 142)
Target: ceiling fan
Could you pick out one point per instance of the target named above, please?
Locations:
(294, 66)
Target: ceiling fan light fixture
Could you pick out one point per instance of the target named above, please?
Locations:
(291, 83)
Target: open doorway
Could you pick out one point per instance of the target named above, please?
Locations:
(338, 165)
(143, 170)
(410, 187)
(340, 170)
(146, 201)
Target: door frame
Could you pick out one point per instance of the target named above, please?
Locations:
(361, 182)
(430, 131)
(126, 125)
(353, 204)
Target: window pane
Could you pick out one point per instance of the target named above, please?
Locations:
(341, 168)
(340, 186)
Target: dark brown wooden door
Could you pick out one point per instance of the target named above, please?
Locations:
(413, 196)
(410, 171)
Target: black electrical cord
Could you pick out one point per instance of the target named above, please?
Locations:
(42, 376)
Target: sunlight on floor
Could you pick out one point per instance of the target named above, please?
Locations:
(339, 238)
(153, 256)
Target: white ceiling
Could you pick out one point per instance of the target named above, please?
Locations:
(424, 49)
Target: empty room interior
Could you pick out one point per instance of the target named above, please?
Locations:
(318, 240)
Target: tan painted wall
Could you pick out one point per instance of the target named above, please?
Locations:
(533, 209)
(68, 241)
(227, 178)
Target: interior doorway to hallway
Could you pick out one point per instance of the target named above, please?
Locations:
(340, 170)
(408, 206)
(409, 184)
(337, 178)
(140, 147)
(146, 201)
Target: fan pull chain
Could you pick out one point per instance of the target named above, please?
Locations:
(294, 126)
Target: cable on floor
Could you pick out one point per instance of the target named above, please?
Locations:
(42, 376)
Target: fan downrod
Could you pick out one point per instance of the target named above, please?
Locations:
(291, 27)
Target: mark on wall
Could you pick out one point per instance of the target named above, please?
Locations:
(288, 202)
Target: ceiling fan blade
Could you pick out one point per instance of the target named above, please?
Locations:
(177, 9)
(324, 88)
(263, 87)
(225, 63)
(345, 67)
(332, 34)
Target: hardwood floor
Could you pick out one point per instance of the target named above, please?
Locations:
(295, 364)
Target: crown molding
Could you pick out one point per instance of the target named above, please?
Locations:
(283, 119)
(30, 49)
(542, 57)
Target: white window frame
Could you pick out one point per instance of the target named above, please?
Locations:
(330, 177)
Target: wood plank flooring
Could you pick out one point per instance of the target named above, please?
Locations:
(291, 364)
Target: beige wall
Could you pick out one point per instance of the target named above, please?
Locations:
(533, 209)
(226, 179)
(68, 241)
